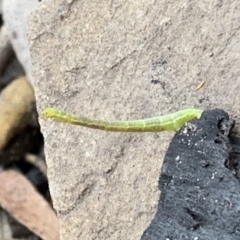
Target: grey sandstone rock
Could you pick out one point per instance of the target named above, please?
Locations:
(124, 60)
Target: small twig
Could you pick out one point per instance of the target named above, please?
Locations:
(6, 50)
(200, 85)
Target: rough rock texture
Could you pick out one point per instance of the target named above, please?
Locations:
(122, 60)
(199, 183)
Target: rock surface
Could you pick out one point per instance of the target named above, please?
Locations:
(124, 60)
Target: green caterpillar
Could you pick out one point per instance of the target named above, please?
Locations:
(171, 122)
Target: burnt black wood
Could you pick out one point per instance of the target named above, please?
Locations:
(199, 183)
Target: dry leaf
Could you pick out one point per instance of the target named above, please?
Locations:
(16, 105)
(25, 204)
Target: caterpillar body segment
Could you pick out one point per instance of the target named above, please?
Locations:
(171, 122)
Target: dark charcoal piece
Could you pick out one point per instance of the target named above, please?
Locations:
(200, 192)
